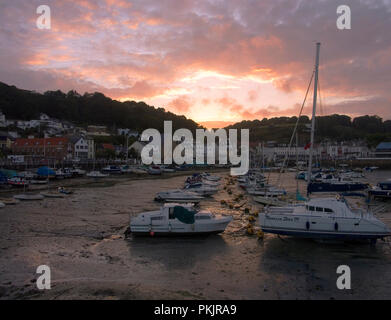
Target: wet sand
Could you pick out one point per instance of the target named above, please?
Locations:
(81, 238)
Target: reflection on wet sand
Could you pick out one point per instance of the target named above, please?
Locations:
(81, 237)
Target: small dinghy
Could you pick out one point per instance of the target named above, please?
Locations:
(2, 205)
(51, 194)
(38, 181)
(176, 219)
(64, 191)
(29, 197)
(9, 201)
(96, 175)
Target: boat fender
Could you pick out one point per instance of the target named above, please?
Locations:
(307, 225)
(152, 233)
(336, 226)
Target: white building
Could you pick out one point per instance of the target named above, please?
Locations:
(83, 148)
(332, 151)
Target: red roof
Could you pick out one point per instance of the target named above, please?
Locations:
(40, 142)
(108, 146)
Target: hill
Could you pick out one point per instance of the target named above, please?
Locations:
(334, 128)
(87, 109)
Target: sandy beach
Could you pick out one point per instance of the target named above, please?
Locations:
(81, 238)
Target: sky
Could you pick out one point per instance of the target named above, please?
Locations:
(215, 61)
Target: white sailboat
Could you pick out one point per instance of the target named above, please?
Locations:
(322, 218)
(176, 219)
(94, 173)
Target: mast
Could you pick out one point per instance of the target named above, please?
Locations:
(313, 113)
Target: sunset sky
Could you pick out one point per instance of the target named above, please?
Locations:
(209, 60)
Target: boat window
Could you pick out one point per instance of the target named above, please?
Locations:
(171, 213)
(328, 210)
(156, 218)
(319, 209)
(311, 208)
(202, 217)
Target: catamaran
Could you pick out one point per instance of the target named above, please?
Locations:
(323, 218)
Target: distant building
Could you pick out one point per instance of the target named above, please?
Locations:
(127, 132)
(323, 151)
(5, 141)
(54, 148)
(383, 150)
(97, 131)
(80, 147)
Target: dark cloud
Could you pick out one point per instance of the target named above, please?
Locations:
(142, 48)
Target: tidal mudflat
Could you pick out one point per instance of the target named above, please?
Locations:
(81, 238)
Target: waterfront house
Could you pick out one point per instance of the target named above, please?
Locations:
(5, 140)
(383, 150)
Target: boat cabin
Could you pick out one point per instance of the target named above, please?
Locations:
(331, 206)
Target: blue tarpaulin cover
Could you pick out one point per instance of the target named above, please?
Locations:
(8, 173)
(45, 172)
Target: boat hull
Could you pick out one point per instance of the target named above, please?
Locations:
(324, 235)
(335, 187)
(175, 234)
(321, 228)
(180, 229)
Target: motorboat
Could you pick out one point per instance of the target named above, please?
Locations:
(266, 192)
(209, 177)
(27, 175)
(112, 170)
(178, 196)
(64, 173)
(176, 219)
(201, 189)
(382, 190)
(28, 197)
(77, 172)
(18, 182)
(126, 169)
(341, 185)
(198, 178)
(154, 170)
(270, 201)
(166, 169)
(96, 175)
(139, 170)
(323, 218)
(52, 194)
(9, 201)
